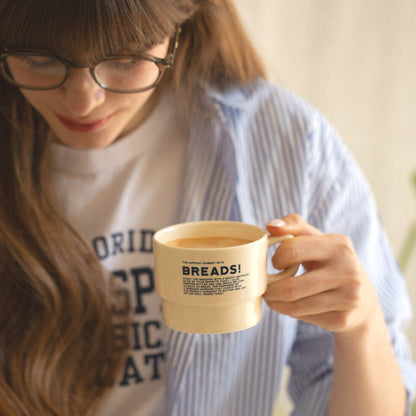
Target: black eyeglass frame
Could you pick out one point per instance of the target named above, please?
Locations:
(162, 63)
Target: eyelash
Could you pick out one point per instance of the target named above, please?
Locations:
(37, 65)
(124, 66)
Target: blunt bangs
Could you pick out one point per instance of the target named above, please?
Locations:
(90, 29)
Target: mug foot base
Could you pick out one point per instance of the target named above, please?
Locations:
(211, 319)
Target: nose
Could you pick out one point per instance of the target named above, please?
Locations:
(80, 93)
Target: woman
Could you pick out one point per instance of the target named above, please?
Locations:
(121, 117)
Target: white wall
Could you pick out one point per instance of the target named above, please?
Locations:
(356, 61)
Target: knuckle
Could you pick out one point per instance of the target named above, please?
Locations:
(344, 246)
(354, 294)
(293, 218)
(353, 275)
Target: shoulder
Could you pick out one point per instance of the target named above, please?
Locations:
(260, 95)
(286, 128)
(265, 115)
(268, 109)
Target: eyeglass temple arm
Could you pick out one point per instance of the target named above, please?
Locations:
(170, 59)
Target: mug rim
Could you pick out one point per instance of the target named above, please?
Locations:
(158, 236)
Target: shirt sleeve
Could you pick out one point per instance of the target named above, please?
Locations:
(339, 200)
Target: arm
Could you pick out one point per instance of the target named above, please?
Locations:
(336, 294)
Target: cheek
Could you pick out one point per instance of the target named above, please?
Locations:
(138, 101)
(44, 102)
(135, 105)
(37, 98)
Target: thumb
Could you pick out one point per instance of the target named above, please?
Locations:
(291, 224)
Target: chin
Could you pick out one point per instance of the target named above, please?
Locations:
(87, 144)
(86, 141)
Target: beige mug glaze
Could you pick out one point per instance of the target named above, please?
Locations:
(215, 289)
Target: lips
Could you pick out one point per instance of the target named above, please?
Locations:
(83, 127)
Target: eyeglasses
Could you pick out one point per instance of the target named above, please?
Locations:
(41, 70)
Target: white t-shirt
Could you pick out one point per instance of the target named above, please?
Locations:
(117, 197)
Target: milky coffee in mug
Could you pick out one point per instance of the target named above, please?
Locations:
(211, 275)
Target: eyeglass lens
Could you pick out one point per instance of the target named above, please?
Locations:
(35, 71)
(121, 74)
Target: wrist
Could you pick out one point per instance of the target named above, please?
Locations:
(367, 335)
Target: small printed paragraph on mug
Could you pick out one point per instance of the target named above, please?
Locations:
(207, 278)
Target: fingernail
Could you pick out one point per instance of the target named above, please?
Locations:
(277, 223)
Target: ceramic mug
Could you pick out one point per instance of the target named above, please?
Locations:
(211, 275)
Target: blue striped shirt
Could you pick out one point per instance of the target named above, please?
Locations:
(258, 153)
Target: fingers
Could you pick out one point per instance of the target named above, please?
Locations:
(315, 305)
(303, 286)
(330, 262)
(334, 302)
(315, 297)
(336, 321)
(334, 292)
(310, 250)
(291, 224)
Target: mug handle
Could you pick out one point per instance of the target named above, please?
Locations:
(290, 271)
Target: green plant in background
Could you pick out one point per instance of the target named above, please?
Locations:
(410, 241)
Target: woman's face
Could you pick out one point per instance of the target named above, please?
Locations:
(83, 115)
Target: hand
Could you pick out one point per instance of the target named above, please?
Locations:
(334, 292)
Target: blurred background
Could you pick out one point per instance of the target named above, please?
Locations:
(356, 62)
